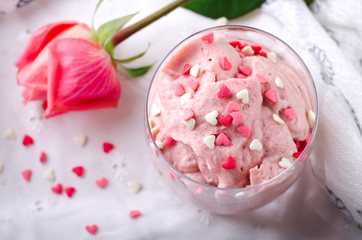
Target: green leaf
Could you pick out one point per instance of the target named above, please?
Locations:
(127, 60)
(137, 72)
(308, 1)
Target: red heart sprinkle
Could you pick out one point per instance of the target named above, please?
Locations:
(297, 154)
(168, 141)
(240, 76)
(78, 170)
(224, 91)
(42, 157)
(57, 189)
(194, 84)
(229, 163)
(224, 119)
(261, 79)
(289, 113)
(245, 70)
(186, 69)
(92, 229)
(225, 64)
(188, 113)
(102, 182)
(222, 139)
(235, 44)
(237, 118)
(179, 90)
(208, 37)
(232, 107)
(297, 145)
(69, 191)
(256, 49)
(107, 147)
(263, 53)
(26, 174)
(244, 130)
(44, 105)
(134, 213)
(27, 140)
(241, 54)
(271, 95)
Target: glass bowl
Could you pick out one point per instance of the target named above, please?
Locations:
(235, 200)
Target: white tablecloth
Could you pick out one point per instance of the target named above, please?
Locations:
(29, 210)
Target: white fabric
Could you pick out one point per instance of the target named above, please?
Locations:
(29, 210)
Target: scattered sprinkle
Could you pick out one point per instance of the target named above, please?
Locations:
(240, 76)
(155, 110)
(229, 163)
(297, 154)
(9, 134)
(224, 119)
(188, 113)
(243, 95)
(222, 139)
(26, 174)
(159, 144)
(239, 195)
(80, 140)
(247, 50)
(277, 119)
(271, 95)
(289, 113)
(155, 131)
(69, 191)
(172, 176)
(102, 182)
(185, 98)
(1, 167)
(256, 145)
(263, 53)
(237, 118)
(272, 57)
(311, 117)
(256, 49)
(179, 90)
(279, 83)
(92, 229)
(232, 107)
(42, 157)
(107, 147)
(50, 174)
(134, 186)
(208, 37)
(242, 55)
(221, 21)
(190, 124)
(225, 64)
(27, 140)
(168, 141)
(244, 130)
(194, 71)
(198, 191)
(57, 189)
(285, 163)
(224, 91)
(211, 117)
(235, 44)
(261, 79)
(134, 213)
(193, 83)
(79, 170)
(186, 69)
(209, 141)
(245, 70)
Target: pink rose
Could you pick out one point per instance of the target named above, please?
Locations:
(65, 66)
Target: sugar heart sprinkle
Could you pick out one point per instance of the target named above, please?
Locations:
(155, 110)
(272, 56)
(244, 130)
(235, 44)
(190, 124)
(209, 141)
(284, 163)
(247, 50)
(237, 118)
(261, 79)
(27, 140)
(211, 117)
(271, 95)
(188, 113)
(134, 213)
(256, 145)
(27, 174)
(50, 174)
(232, 107)
(240, 76)
(289, 113)
(186, 69)
(79, 170)
(208, 37)
(80, 140)
(223, 91)
(243, 95)
(42, 157)
(229, 163)
(107, 147)
(279, 83)
(92, 229)
(134, 186)
(69, 191)
(245, 70)
(277, 119)
(225, 64)
(179, 90)
(168, 141)
(57, 189)
(222, 139)
(9, 134)
(256, 49)
(193, 83)
(224, 119)
(263, 53)
(194, 71)
(102, 182)
(185, 98)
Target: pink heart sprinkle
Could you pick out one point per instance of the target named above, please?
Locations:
(107, 147)
(235, 44)
(134, 213)
(194, 84)
(42, 157)
(232, 107)
(186, 69)
(224, 91)
(289, 113)
(263, 53)
(27, 140)
(240, 76)
(225, 64)
(69, 191)
(78, 170)
(102, 182)
(188, 113)
(179, 90)
(245, 70)
(297, 154)
(229, 163)
(256, 49)
(237, 118)
(224, 119)
(26, 174)
(222, 139)
(168, 141)
(244, 130)
(261, 79)
(92, 229)
(241, 54)
(57, 189)
(271, 95)
(208, 37)
(172, 176)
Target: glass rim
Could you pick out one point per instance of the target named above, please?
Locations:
(273, 179)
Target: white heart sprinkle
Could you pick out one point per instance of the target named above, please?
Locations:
(154, 131)
(211, 117)
(151, 123)
(243, 95)
(279, 83)
(256, 145)
(277, 119)
(9, 134)
(155, 110)
(134, 186)
(209, 141)
(247, 50)
(50, 174)
(221, 21)
(239, 195)
(194, 71)
(185, 98)
(272, 57)
(1, 167)
(284, 163)
(159, 144)
(80, 140)
(190, 124)
(311, 117)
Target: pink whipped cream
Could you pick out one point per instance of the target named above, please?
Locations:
(221, 124)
